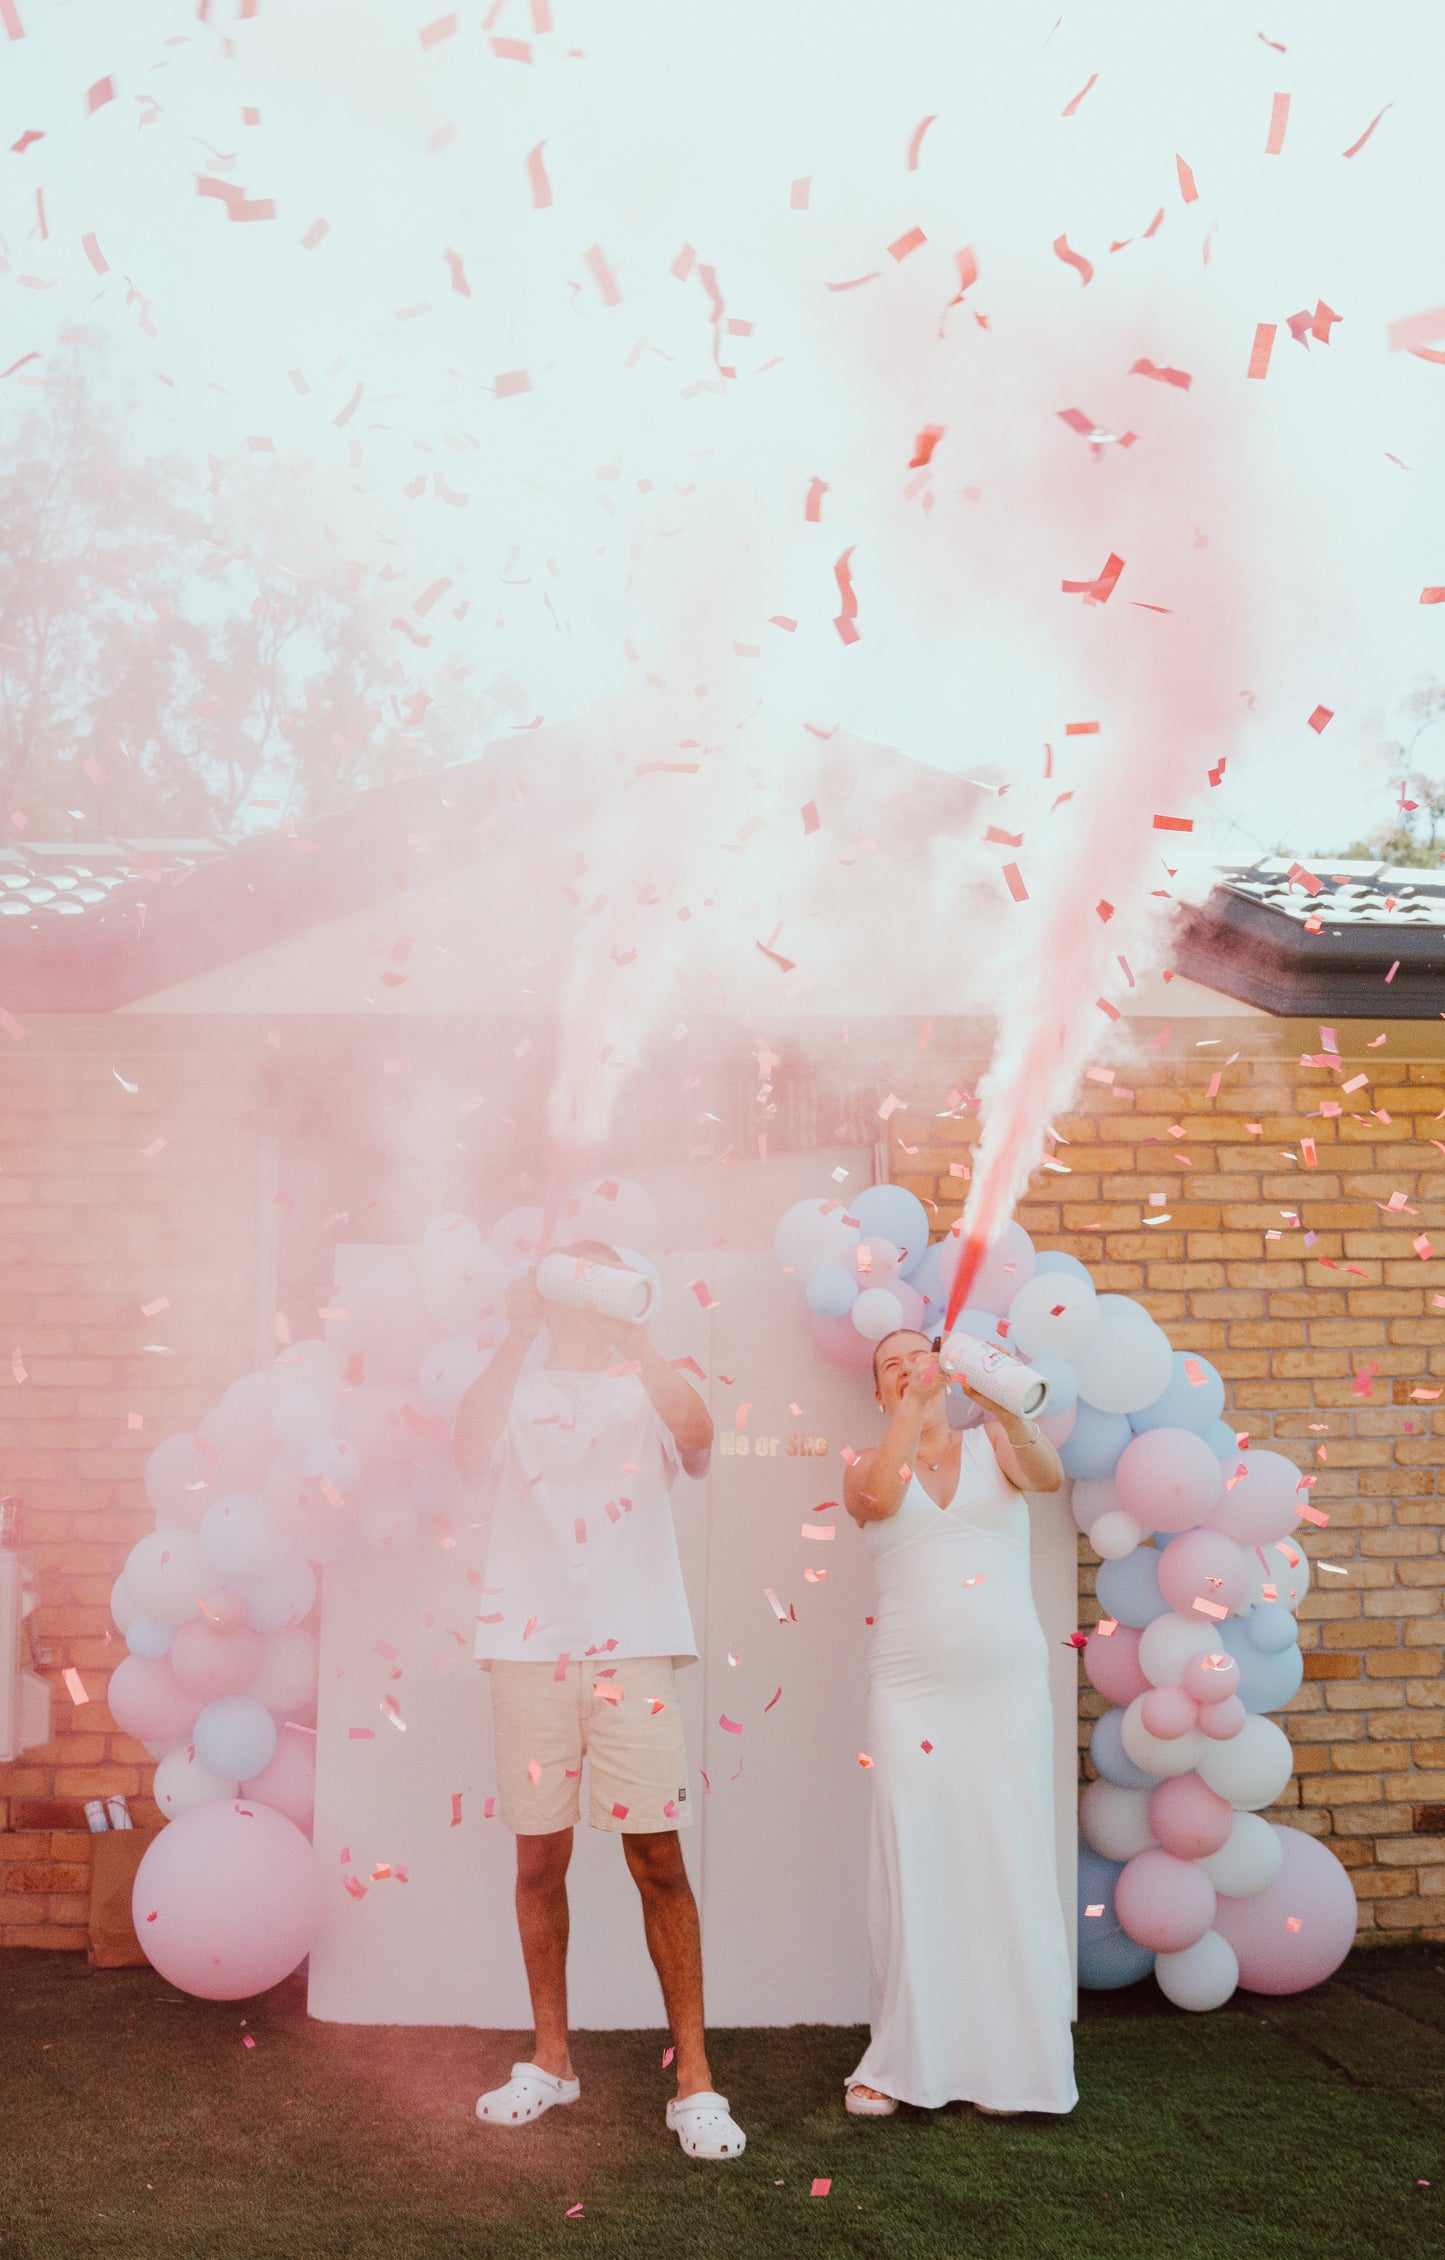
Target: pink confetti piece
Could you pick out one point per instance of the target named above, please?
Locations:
(1261, 350)
(1422, 1248)
(813, 505)
(511, 50)
(1278, 120)
(1356, 146)
(1014, 881)
(458, 273)
(1070, 107)
(776, 1698)
(1187, 188)
(1174, 823)
(703, 1292)
(821, 2186)
(916, 139)
(314, 234)
(361, 1734)
(537, 176)
(1073, 259)
(506, 387)
(1321, 718)
(595, 261)
(75, 1685)
(17, 1364)
(811, 819)
(1100, 590)
(573, 2213)
(247, 2041)
(729, 1726)
(10, 17)
(822, 1532)
(102, 92)
(152, 1310)
(1292, 1922)
(924, 446)
(432, 34)
(94, 254)
(903, 244)
(355, 1886)
(855, 282)
(1394, 969)
(1107, 1627)
(1209, 1608)
(846, 620)
(1165, 376)
(799, 193)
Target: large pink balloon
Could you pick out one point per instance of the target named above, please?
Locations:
(1111, 1661)
(180, 1482)
(1168, 1479)
(839, 1341)
(1202, 1565)
(238, 1432)
(227, 1900)
(1311, 1890)
(288, 1784)
(1260, 1505)
(1163, 1903)
(207, 1663)
(1222, 1721)
(145, 1700)
(1188, 1818)
(1211, 1678)
(1167, 1712)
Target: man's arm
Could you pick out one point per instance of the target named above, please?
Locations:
(482, 1414)
(676, 1403)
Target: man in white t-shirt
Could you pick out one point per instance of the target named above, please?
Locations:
(583, 1619)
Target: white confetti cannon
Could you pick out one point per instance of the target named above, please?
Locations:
(1005, 1380)
(573, 1280)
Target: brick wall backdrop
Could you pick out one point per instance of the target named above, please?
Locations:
(1295, 1329)
(92, 1227)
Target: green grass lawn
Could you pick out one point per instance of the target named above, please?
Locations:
(135, 2122)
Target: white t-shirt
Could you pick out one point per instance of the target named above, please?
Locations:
(581, 1555)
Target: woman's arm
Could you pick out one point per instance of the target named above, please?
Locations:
(1026, 1457)
(875, 1483)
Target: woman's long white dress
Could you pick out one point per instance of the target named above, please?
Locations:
(970, 1992)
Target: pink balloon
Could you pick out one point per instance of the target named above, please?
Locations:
(1222, 1721)
(1260, 1505)
(1168, 1712)
(223, 1611)
(839, 1341)
(1112, 1664)
(879, 1268)
(227, 1900)
(386, 1425)
(1211, 1678)
(1057, 1426)
(517, 1236)
(288, 1784)
(1164, 1903)
(1188, 1818)
(207, 1663)
(1168, 1479)
(145, 1700)
(910, 1302)
(237, 1435)
(1311, 1890)
(1202, 1565)
(180, 1482)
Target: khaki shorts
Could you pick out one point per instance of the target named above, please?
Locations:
(621, 1714)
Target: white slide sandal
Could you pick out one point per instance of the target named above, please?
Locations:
(704, 2125)
(528, 2093)
(866, 2106)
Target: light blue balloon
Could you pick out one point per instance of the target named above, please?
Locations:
(982, 1325)
(1128, 1590)
(1096, 1443)
(891, 1212)
(1270, 1628)
(280, 1599)
(1062, 1380)
(240, 1539)
(1111, 1759)
(1266, 1683)
(235, 1737)
(831, 1291)
(1054, 1259)
(1220, 1439)
(144, 1637)
(1184, 1403)
(926, 1276)
(1108, 1957)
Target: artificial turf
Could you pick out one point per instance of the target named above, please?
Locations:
(135, 2122)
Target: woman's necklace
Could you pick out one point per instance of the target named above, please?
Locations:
(933, 1466)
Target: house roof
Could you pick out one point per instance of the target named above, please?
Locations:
(1355, 941)
(95, 928)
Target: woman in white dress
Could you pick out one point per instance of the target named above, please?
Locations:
(970, 1990)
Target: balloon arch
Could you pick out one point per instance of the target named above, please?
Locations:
(1199, 1583)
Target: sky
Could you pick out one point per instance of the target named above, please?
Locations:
(622, 507)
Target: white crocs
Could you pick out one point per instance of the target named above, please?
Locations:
(864, 2103)
(528, 2093)
(704, 2125)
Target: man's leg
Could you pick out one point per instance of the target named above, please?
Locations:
(674, 1940)
(543, 1921)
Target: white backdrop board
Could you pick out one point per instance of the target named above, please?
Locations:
(777, 1850)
